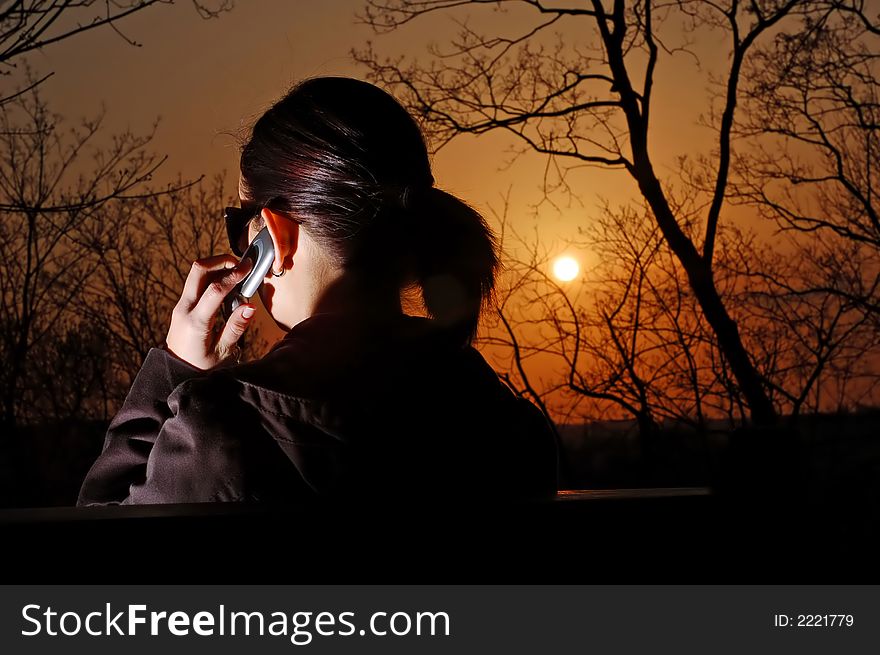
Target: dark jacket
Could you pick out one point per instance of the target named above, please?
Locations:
(341, 406)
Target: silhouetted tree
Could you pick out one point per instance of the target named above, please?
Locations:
(811, 119)
(817, 350)
(69, 376)
(92, 260)
(628, 339)
(29, 25)
(589, 101)
(624, 341)
(50, 197)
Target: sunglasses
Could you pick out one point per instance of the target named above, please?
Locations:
(237, 221)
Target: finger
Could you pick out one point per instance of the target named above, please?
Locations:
(198, 278)
(235, 327)
(217, 289)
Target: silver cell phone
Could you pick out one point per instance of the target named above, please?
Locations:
(262, 254)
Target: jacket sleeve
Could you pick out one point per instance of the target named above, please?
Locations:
(135, 428)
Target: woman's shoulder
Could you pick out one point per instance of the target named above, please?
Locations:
(336, 363)
(332, 353)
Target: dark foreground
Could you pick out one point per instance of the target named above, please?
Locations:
(778, 508)
(684, 535)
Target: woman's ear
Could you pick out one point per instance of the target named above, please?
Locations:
(285, 237)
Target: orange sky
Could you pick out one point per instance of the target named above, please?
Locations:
(206, 77)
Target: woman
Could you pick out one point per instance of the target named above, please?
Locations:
(358, 398)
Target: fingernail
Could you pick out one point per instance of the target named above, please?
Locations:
(247, 312)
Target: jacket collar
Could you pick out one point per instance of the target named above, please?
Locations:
(347, 321)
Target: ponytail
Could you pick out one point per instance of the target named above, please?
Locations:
(453, 257)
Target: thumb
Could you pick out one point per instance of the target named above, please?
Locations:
(236, 325)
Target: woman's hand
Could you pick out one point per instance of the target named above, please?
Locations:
(190, 336)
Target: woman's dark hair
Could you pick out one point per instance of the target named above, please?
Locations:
(349, 161)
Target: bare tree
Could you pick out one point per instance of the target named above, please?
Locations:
(628, 339)
(69, 375)
(589, 102)
(626, 334)
(51, 197)
(29, 25)
(817, 349)
(810, 126)
(625, 341)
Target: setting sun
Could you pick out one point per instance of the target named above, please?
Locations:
(565, 268)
